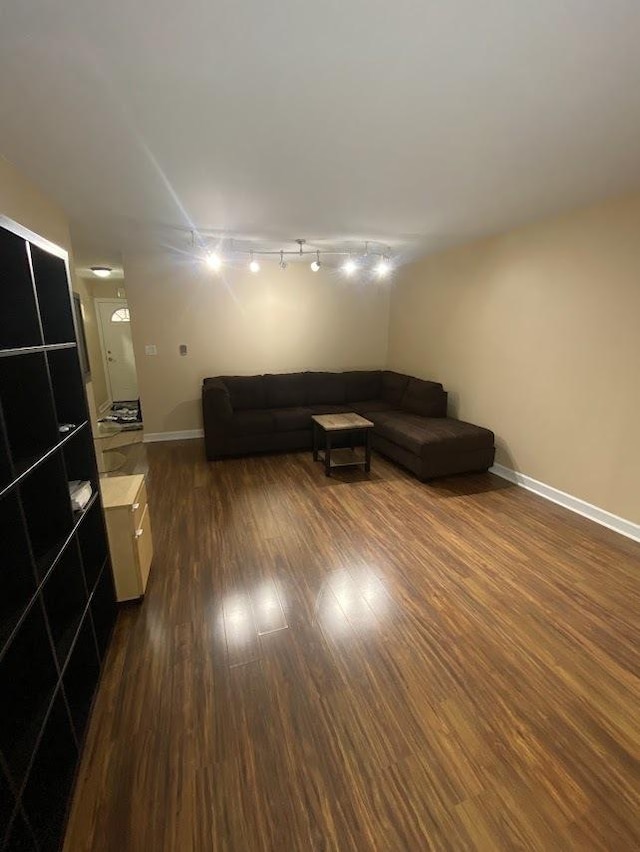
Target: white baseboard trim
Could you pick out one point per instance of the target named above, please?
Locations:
(105, 406)
(152, 437)
(574, 504)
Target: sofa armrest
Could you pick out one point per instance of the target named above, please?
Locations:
(216, 403)
(428, 399)
(217, 414)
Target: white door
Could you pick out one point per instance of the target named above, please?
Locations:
(117, 348)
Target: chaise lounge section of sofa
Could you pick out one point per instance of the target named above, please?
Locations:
(247, 414)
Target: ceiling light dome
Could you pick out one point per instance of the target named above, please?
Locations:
(101, 271)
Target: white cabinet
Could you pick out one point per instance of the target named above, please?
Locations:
(129, 530)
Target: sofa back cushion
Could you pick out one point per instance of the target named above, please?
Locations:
(425, 398)
(362, 384)
(246, 392)
(325, 388)
(393, 387)
(285, 390)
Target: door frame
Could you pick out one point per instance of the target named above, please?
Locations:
(117, 303)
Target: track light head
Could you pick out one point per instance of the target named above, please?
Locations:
(383, 267)
(315, 265)
(283, 263)
(254, 266)
(214, 261)
(349, 267)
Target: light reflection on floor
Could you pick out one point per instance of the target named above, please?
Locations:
(267, 605)
(347, 602)
(352, 600)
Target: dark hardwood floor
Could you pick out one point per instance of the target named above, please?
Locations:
(365, 663)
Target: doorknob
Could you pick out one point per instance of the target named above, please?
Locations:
(111, 359)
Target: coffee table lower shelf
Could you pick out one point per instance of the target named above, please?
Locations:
(344, 457)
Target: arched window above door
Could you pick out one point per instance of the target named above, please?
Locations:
(121, 315)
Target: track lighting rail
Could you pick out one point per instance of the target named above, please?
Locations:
(214, 258)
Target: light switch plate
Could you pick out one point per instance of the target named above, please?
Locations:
(150, 349)
(183, 348)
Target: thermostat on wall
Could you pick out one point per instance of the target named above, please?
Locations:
(150, 349)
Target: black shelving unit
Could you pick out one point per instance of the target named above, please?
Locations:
(57, 599)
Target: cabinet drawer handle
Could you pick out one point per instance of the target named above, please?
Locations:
(139, 532)
(135, 506)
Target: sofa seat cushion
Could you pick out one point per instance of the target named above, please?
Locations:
(246, 392)
(291, 419)
(285, 390)
(363, 384)
(393, 386)
(425, 435)
(325, 388)
(252, 422)
(369, 406)
(425, 398)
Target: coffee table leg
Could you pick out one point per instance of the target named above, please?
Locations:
(327, 453)
(315, 441)
(367, 457)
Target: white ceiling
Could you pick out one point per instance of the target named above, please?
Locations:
(417, 122)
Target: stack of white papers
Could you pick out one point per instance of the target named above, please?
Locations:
(80, 493)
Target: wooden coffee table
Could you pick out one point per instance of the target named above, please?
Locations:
(331, 424)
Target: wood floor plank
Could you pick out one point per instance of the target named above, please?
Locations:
(364, 663)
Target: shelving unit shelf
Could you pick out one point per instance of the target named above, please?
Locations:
(57, 598)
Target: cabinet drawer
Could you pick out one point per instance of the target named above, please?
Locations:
(143, 543)
(127, 513)
(140, 506)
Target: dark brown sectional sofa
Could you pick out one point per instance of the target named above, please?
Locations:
(246, 414)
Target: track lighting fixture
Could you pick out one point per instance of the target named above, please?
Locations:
(373, 260)
(214, 261)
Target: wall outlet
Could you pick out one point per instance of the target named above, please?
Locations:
(150, 349)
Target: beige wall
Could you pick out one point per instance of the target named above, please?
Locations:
(537, 335)
(275, 321)
(109, 289)
(24, 203)
(21, 201)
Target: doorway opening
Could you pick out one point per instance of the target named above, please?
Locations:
(116, 344)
